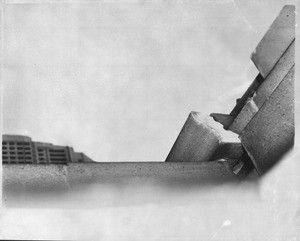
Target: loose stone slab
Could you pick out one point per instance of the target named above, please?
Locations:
(203, 139)
(270, 133)
(275, 42)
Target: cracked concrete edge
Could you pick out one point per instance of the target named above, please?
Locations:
(216, 127)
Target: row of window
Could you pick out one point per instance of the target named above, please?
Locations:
(16, 143)
(16, 153)
(16, 148)
(16, 158)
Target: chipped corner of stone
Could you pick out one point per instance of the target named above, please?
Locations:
(209, 122)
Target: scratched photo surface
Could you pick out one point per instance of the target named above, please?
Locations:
(117, 80)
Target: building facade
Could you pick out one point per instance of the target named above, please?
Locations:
(18, 149)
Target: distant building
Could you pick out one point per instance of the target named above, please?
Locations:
(18, 149)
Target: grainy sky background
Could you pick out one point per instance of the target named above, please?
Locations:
(118, 79)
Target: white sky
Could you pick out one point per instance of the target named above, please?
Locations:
(118, 79)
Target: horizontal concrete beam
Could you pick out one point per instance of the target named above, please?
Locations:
(29, 177)
(91, 185)
(275, 42)
(201, 138)
(220, 170)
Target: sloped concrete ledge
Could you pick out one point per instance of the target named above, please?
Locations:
(270, 134)
(275, 42)
(277, 74)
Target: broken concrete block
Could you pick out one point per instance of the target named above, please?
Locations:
(202, 139)
(275, 42)
(270, 133)
(244, 117)
(285, 63)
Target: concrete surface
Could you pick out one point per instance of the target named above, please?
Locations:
(161, 172)
(244, 117)
(200, 138)
(24, 176)
(277, 74)
(264, 91)
(270, 134)
(274, 43)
